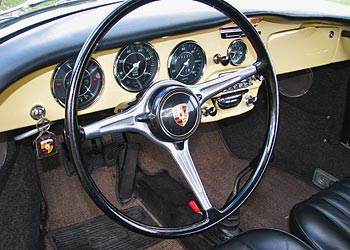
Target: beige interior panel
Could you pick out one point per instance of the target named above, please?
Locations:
(35, 89)
(343, 49)
(293, 46)
(302, 48)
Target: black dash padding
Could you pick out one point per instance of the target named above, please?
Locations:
(103, 233)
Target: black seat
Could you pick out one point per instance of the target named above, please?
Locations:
(323, 221)
(264, 239)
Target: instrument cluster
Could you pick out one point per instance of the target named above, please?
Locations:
(136, 67)
(90, 89)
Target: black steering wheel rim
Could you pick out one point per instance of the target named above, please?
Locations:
(73, 133)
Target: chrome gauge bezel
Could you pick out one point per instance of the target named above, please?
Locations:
(149, 81)
(203, 61)
(95, 98)
(243, 56)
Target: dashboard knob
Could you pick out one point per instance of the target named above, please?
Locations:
(224, 60)
(250, 100)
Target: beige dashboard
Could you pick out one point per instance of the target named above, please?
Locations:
(293, 46)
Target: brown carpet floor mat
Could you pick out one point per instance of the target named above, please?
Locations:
(68, 204)
(269, 206)
(103, 233)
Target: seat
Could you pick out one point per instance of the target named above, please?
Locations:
(323, 221)
(263, 239)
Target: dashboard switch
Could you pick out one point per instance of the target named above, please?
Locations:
(230, 100)
(250, 100)
(212, 111)
(224, 60)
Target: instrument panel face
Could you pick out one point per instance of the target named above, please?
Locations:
(47, 86)
(187, 62)
(132, 69)
(237, 52)
(136, 66)
(91, 86)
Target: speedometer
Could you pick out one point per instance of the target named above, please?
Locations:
(136, 66)
(187, 62)
(91, 86)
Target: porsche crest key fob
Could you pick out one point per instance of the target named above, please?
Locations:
(45, 144)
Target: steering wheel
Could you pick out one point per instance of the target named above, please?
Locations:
(153, 117)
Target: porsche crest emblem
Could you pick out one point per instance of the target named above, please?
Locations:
(180, 114)
(47, 146)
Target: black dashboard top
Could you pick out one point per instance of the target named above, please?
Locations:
(61, 38)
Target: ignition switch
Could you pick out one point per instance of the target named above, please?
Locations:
(37, 112)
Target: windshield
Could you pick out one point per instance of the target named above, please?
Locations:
(24, 6)
(13, 10)
(345, 2)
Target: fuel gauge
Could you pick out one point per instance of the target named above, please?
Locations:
(90, 89)
(237, 52)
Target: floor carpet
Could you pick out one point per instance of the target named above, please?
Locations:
(20, 204)
(68, 204)
(309, 128)
(103, 233)
(269, 206)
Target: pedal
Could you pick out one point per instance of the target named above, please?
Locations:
(322, 179)
(96, 153)
(127, 164)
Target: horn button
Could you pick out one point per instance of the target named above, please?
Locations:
(176, 114)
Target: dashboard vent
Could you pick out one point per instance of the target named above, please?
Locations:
(232, 32)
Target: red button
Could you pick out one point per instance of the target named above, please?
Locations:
(193, 205)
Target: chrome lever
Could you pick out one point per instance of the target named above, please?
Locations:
(32, 132)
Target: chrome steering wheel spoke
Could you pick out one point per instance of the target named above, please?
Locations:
(133, 119)
(181, 154)
(136, 119)
(124, 122)
(213, 87)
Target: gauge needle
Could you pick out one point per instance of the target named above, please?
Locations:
(88, 90)
(183, 67)
(92, 71)
(134, 66)
(237, 52)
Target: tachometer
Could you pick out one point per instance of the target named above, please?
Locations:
(91, 86)
(237, 52)
(136, 66)
(187, 62)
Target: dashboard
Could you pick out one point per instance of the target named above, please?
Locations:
(136, 66)
(117, 76)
